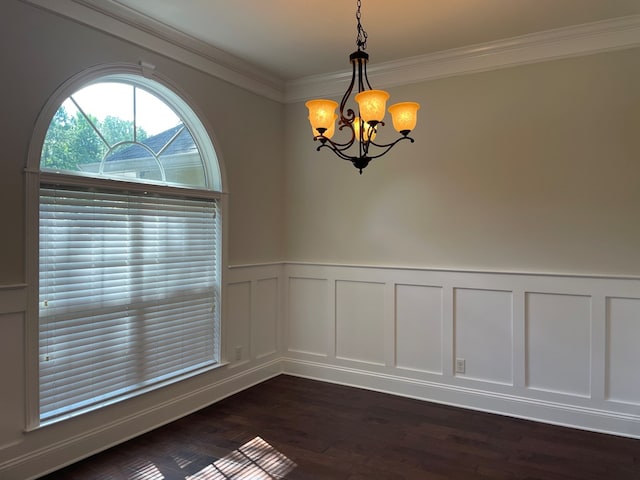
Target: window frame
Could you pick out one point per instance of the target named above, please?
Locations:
(144, 76)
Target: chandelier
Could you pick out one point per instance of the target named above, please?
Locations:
(361, 128)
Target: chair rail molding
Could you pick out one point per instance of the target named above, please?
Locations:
(13, 298)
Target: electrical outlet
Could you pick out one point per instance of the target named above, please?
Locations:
(460, 364)
(238, 353)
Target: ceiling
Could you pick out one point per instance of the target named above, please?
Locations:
(293, 39)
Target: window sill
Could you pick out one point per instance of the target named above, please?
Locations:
(127, 396)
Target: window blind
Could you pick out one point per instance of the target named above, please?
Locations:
(128, 293)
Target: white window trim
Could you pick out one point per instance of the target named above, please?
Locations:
(214, 172)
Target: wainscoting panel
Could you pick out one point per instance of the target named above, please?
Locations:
(12, 374)
(419, 317)
(554, 348)
(360, 322)
(237, 325)
(558, 343)
(251, 313)
(308, 316)
(396, 330)
(483, 334)
(264, 334)
(623, 350)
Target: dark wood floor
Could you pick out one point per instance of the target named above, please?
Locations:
(299, 429)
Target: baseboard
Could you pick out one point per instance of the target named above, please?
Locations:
(556, 413)
(57, 455)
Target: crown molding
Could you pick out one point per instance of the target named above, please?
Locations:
(112, 17)
(615, 34)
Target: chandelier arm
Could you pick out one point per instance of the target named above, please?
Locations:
(340, 146)
(335, 148)
(360, 73)
(365, 77)
(388, 146)
(364, 147)
(385, 145)
(339, 153)
(343, 103)
(350, 126)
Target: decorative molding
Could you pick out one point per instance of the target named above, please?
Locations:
(254, 265)
(610, 407)
(12, 286)
(13, 298)
(112, 17)
(460, 318)
(556, 413)
(408, 268)
(554, 44)
(255, 272)
(119, 21)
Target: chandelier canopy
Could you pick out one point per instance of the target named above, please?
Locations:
(361, 128)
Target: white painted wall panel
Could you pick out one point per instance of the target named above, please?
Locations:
(483, 334)
(360, 321)
(237, 326)
(558, 343)
(308, 316)
(419, 328)
(623, 349)
(12, 374)
(561, 349)
(264, 329)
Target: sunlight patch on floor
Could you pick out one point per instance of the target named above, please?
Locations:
(145, 470)
(255, 460)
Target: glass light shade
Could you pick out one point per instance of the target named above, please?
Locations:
(321, 113)
(372, 104)
(330, 131)
(404, 116)
(366, 130)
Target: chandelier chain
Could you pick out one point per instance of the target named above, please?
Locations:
(361, 40)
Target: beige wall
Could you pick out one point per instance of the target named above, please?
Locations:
(41, 51)
(534, 168)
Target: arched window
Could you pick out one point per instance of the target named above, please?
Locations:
(129, 242)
